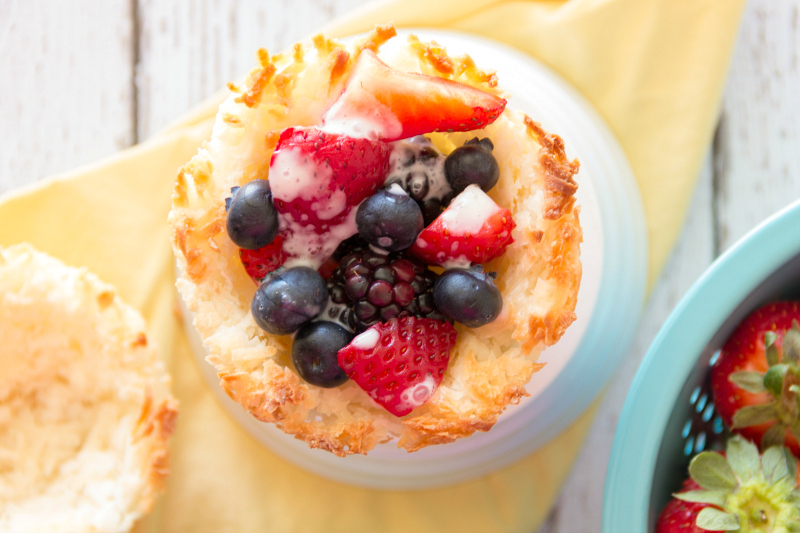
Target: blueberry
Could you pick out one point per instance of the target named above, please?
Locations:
(288, 299)
(468, 296)
(472, 163)
(485, 143)
(229, 199)
(252, 218)
(314, 353)
(389, 219)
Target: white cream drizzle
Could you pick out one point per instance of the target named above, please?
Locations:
(359, 114)
(417, 394)
(438, 186)
(469, 211)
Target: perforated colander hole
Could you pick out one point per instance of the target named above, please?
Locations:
(701, 403)
(700, 442)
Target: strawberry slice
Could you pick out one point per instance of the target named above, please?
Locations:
(400, 363)
(473, 229)
(260, 262)
(380, 102)
(317, 179)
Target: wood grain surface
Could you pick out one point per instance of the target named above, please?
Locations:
(81, 80)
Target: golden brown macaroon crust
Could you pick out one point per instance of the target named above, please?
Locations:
(539, 275)
(82, 387)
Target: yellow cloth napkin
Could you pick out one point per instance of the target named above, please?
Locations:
(654, 68)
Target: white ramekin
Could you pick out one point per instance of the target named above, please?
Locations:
(614, 257)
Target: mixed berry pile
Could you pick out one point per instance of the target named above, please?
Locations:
(367, 243)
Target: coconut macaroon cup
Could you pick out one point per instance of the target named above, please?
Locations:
(538, 276)
(85, 406)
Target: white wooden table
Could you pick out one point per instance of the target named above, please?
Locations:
(82, 80)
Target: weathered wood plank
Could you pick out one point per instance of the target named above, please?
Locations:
(758, 168)
(190, 50)
(66, 89)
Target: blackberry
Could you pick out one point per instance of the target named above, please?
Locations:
(369, 287)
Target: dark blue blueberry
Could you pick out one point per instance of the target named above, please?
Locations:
(288, 299)
(389, 220)
(472, 163)
(229, 199)
(314, 353)
(468, 296)
(252, 218)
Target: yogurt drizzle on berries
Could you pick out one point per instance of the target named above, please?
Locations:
(356, 175)
(415, 159)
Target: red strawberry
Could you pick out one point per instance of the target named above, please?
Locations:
(400, 363)
(384, 103)
(736, 490)
(317, 179)
(473, 229)
(756, 380)
(679, 516)
(258, 263)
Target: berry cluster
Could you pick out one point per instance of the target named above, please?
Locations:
(374, 293)
(370, 287)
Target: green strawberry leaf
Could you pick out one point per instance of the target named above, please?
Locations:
(774, 465)
(770, 348)
(791, 344)
(711, 471)
(714, 497)
(749, 381)
(773, 379)
(791, 464)
(743, 458)
(753, 415)
(774, 436)
(716, 520)
(795, 388)
(794, 497)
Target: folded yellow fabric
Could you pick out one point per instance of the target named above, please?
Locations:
(654, 68)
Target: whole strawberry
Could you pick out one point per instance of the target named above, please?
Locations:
(756, 380)
(400, 363)
(737, 491)
(680, 516)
